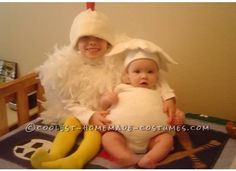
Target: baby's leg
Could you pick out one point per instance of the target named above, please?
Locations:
(160, 146)
(115, 144)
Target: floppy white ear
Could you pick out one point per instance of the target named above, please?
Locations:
(165, 59)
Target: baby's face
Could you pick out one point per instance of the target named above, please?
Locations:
(143, 73)
(92, 47)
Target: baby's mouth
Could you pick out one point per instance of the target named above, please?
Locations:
(143, 84)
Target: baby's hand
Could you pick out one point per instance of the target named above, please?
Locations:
(169, 107)
(178, 118)
(98, 118)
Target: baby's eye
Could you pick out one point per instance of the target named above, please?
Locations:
(150, 72)
(136, 71)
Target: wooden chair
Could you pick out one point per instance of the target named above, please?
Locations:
(19, 89)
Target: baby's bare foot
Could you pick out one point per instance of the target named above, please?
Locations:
(128, 161)
(147, 162)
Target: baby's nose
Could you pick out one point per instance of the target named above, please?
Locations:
(143, 75)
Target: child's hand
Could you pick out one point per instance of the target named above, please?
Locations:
(169, 107)
(98, 118)
(108, 99)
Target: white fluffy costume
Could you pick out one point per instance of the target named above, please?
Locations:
(72, 82)
(139, 115)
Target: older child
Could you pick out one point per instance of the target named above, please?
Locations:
(73, 79)
(137, 114)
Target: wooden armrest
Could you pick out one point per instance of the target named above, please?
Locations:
(19, 89)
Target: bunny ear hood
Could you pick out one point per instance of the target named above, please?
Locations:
(144, 45)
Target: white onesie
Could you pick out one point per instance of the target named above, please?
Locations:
(138, 115)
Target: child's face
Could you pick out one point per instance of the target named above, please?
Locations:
(92, 47)
(143, 73)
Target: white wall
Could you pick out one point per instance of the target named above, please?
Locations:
(200, 36)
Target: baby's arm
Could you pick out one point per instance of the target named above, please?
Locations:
(169, 100)
(108, 99)
(169, 107)
(176, 116)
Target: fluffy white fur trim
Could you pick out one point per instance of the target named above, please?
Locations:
(69, 77)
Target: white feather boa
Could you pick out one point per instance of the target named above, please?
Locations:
(68, 77)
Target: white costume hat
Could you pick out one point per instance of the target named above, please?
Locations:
(131, 48)
(91, 23)
(140, 54)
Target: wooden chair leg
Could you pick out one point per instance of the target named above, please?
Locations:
(3, 116)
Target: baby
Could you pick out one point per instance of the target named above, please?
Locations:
(136, 112)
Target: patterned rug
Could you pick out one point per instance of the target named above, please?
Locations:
(193, 149)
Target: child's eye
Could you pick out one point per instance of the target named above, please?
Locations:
(136, 71)
(84, 38)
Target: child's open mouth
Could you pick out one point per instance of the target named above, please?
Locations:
(93, 49)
